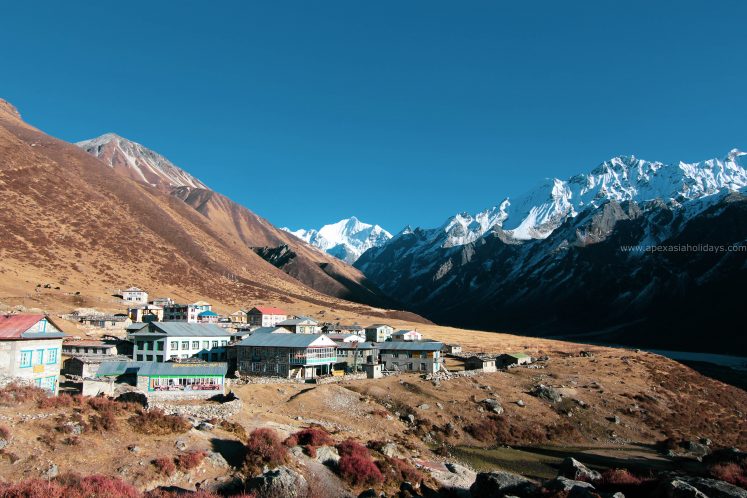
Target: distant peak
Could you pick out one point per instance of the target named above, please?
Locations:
(734, 154)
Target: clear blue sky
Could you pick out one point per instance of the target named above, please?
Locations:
(395, 111)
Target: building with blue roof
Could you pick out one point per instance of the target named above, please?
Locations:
(275, 352)
(162, 341)
(168, 380)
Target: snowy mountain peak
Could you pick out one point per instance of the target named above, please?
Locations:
(139, 162)
(347, 239)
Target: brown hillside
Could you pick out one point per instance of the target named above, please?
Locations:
(71, 223)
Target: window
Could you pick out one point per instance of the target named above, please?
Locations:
(159, 358)
(185, 345)
(149, 357)
(38, 357)
(52, 355)
(195, 344)
(25, 359)
(139, 357)
(215, 344)
(422, 366)
(174, 345)
(205, 344)
(223, 343)
(159, 345)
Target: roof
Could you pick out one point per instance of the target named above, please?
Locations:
(357, 345)
(483, 359)
(14, 327)
(342, 337)
(146, 307)
(134, 289)
(86, 343)
(516, 355)
(136, 326)
(297, 321)
(93, 359)
(268, 310)
(378, 326)
(182, 329)
(149, 368)
(411, 346)
(405, 332)
(207, 313)
(263, 338)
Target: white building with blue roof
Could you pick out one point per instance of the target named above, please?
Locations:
(162, 341)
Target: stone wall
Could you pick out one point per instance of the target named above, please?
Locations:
(202, 411)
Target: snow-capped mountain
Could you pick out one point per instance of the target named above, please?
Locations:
(537, 213)
(347, 239)
(139, 162)
(554, 260)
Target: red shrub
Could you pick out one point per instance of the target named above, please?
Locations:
(731, 472)
(234, 428)
(52, 402)
(263, 447)
(156, 422)
(620, 477)
(351, 447)
(312, 436)
(4, 432)
(191, 460)
(106, 421)
(95, 486)
(165, 465)
(32, 488)
(310, 450)
(359, 470)
(17, 393)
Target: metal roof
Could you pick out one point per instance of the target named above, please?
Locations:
(297, 321)
(154, 369)
(358, 345)
(410, 346)
(280, 340)
(517, 355)
(182, 329)
(378, 326)
(14, 327)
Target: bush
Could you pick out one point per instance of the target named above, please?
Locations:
(351, 447)
(356, 466)
(4, 432)
(191, 460)
(731, 472)
(156, 422)
(234, 428)
(53, 402)
(359, 471)
(106, 421)
(17, 393)
(486, 430)
(165, 466)
(396, 471)
(620, 477)
(95, 486)
(311, 436)
(263, 447)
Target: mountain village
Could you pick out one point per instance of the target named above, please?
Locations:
(163, 349)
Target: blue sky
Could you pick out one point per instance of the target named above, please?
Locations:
(398, 112)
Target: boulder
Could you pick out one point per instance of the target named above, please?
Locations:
(680, 489)
(327, 455)
(180, 444)
(216, 460)
(392, 450)
(493, 405)
(573, 469)
(457, 479)
(499, 484)
(424, 406)
(546, 392)
(561, 483)
(281, 482)
(713, 488)
(369, 493)
(205, 426)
